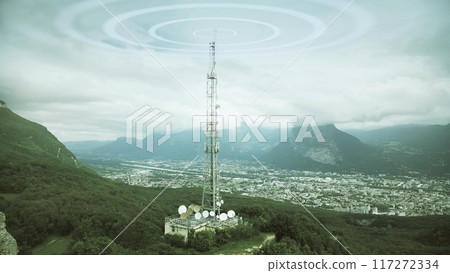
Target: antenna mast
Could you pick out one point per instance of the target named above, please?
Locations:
(211, 198)
(208, 215)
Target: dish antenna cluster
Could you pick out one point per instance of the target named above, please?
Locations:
(195, 210)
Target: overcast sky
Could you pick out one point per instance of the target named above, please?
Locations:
(71, 67)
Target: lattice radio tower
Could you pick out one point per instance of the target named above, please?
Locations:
(211, 200)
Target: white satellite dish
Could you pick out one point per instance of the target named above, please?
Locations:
(182, 209)
(205, 214)
(223, 217)
(198, 215)
(212, 213)
(221, 202)
(218, 204)
(231, 214)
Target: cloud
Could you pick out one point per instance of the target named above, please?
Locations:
(394, 71)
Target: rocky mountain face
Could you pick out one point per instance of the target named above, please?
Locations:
(8, 245)
(397, 149)
(340, 151)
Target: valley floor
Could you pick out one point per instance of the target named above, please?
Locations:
(402, 195)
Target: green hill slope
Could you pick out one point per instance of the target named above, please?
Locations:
(22, 140)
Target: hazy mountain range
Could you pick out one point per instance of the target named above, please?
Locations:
(400, 148)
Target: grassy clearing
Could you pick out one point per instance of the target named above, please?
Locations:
(9, 196)
(52, 245)
(245, 247)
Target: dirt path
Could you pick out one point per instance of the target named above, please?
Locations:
(268, 238)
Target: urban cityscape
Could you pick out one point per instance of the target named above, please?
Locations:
(402, 195)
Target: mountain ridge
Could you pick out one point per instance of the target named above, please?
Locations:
(30, 140)
(341, 151)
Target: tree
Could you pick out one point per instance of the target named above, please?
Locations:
(223, 236)
(285, 246)
(175, 240)
(240, 232)
(139, 235)
(203, 240)
(285, 226)
(93, 246)
(190, 237)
